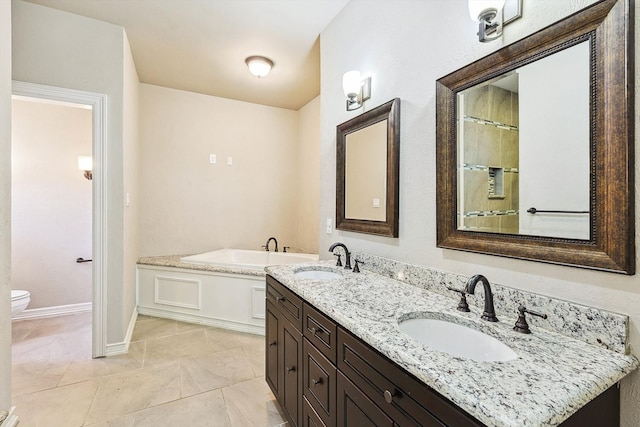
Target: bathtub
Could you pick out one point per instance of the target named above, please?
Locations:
(223, 288)
(248, 259)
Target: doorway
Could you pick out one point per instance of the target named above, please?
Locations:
(97, 104)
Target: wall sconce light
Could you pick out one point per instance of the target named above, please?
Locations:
(493, 15)
(259, 66)
(85, 163)
(356, 89)
(489, 17)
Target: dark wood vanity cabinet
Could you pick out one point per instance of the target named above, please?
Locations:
(324, 376)
(283, 348)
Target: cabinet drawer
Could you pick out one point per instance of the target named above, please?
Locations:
(319, 383)
(309, 416)
(356, 409)
(394, 390)
(320, 331)
(286, 301)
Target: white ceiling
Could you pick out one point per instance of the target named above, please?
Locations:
(200, 45)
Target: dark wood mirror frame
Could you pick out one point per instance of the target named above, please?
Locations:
(389, 111)
(608, 26)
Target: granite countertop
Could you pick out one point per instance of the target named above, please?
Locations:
(553, 376)
(173, 261)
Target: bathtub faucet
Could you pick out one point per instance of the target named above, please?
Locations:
(266, 246)
(347, 254)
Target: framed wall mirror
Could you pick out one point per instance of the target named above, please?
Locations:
(535, 146)
(367, 171)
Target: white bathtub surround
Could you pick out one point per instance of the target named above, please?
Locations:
(248, 259)
(224, 288)
(553, 376)
(595, 326)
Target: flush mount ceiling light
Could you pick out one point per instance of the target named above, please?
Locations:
(356, 89)
(259, 66)
(488, 13)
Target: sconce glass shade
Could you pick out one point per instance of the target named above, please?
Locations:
(259, 66)
(351, 84)
(478, 8)
(85, 163)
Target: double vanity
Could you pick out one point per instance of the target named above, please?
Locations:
(345, 348)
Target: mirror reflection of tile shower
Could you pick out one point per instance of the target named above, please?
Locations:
(489, 157)
(524, 148)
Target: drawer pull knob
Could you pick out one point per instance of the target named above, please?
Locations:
(315, 331)
(291, 369)
(279, 299)
(273, 343)
(388, 396)
(316, 382)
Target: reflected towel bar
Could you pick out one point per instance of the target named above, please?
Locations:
(534, 211)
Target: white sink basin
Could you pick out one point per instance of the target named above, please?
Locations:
(457, 340)
(317, 275)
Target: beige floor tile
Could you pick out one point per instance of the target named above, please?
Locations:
(256, 357)
(202, 410)
(251, 404)
(40, 363)
(58, 407)
(124, 393)
(125, 421)
(83, 367)
(166, 349)
(213, 371)
(176, 374)
(223, 339)
(153, 327)
(186, 327)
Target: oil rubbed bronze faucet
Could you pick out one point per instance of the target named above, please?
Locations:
(489, 312)
(347, 254)
(266, 246)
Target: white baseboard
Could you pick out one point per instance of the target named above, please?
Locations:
(59, 310)
(11, 420)
(202, 320)
(123, 347)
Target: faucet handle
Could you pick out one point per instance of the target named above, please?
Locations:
(285, 248)
(266, 247)
(339, 261)
(462, 305)
(356, 269)
(521, 324)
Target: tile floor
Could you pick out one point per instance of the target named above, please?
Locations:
(176, 374)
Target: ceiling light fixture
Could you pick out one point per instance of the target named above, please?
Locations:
(259, 66)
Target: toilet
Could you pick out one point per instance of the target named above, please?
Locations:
(19, 301)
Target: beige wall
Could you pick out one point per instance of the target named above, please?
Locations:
(5, 204)
(308, 176)
(189, 205)
(130, 159)
(50, 203)
(56, 48)
(405, 58)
